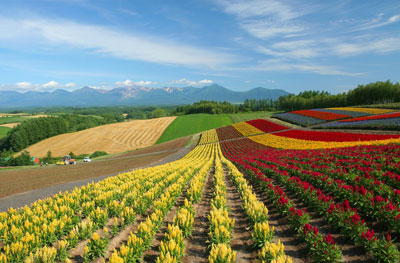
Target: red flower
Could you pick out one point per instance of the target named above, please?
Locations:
(329, 239)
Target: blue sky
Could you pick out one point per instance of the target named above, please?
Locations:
(292, 45)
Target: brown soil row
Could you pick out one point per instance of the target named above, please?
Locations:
(196, 244)
(241, 236)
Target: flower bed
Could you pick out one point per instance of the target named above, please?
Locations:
(275, 141)
(266, 126)
(364, 110)
(297, 119)
(332, 183)
(228, 133)
(326, 116)
(333, 136)
(378, 124)
(345, 112)
(375, 117)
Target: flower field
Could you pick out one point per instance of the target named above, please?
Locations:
(336, 194)
(342, 117)
(326, 116)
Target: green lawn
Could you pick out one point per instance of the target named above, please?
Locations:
(238, 117)
(3, 131)
(193, 123)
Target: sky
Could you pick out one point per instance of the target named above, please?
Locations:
(239, 44)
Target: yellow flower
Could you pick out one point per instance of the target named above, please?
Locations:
(86, 249)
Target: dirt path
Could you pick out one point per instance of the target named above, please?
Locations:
(196, 246)
(241, 235)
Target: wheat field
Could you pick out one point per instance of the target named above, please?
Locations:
(111, 138)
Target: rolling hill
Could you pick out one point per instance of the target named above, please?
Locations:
(111, 138)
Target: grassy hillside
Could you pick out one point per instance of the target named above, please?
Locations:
(3, 131)
(246, 116)
(193, 123)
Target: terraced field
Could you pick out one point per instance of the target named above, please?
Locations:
(111, 138)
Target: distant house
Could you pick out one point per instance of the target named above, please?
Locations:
(35, 160)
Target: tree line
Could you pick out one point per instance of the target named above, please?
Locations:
(373, 93)
(216, 107)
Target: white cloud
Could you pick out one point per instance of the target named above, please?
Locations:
(377, 22)
(28, 86)
(50, 84)
(126, 83)
(265, 18)
(265, 29)
(110, 41)
(277, 65)
(23, 85)
(385, 45)
(70, 85)
(145, 83)
(192, 82)
(206, 81)
(130, 83)
(259, 8)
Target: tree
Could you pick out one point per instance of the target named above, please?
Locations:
(48, 157)
(73, 156)
(158, 113)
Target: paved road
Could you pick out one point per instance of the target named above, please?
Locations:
(22, 199)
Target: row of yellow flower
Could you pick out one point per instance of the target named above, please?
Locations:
(27, 230)
(84, 229)
(173, 247)
(209, 136)
(141, 240)
(221, 225)
(263, 234)
(365, 110)
(247, 129)
(275, 141)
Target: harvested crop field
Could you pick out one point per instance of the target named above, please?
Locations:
(10, 125)
(111, 138)
(22, 180)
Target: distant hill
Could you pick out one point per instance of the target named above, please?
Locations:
(87, 96)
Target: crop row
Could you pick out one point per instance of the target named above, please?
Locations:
(209, 136)
(64, 220)
(321, 115)
(334, 136)
(342, 209)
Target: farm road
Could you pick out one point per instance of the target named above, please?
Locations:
(26, 198)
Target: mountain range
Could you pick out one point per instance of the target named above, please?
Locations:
(87, 96)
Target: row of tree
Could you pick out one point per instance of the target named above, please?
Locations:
(372, 93)
(204, 106)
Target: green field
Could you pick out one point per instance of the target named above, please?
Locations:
(246, 116)
(3, 131)
(193, 123)
(5, 120)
